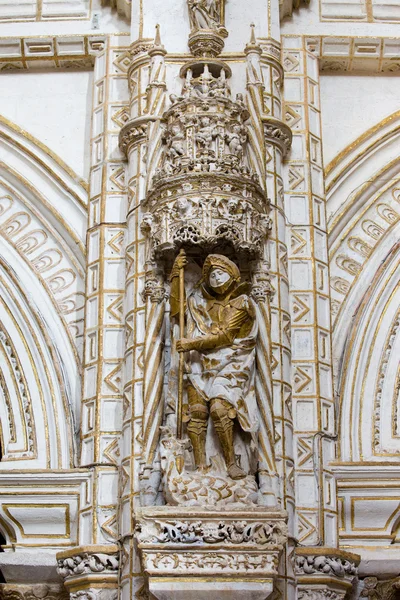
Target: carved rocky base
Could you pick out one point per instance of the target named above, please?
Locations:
(196, 553)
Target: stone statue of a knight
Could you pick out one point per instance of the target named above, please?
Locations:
(220, 342)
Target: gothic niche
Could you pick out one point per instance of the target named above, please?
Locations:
(207, 383)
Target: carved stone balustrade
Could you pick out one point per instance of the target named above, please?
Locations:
(193, 553)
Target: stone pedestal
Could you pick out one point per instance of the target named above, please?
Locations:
(194, 553)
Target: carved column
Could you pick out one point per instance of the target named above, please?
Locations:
(100, 426)
(144, 301)
(90, 572)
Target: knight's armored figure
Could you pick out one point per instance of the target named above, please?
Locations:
(220, 342)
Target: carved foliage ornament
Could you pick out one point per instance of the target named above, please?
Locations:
(88, 563)
(271, 535)
(32, 592)
(327, 565)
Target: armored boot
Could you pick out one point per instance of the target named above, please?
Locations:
(223, 424)
(197, 426)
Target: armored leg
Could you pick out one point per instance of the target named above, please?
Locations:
(197, 425)
(223, 422)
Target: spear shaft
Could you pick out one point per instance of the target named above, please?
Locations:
(179, 408)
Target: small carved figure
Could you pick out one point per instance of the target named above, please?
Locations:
(147, 223)
(219, 87)
(182, 208)
(204, 14)
(176, 142)
(221, 342)
(236, 140)
(206, 133)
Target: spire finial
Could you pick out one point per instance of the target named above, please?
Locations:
(157, 39)
(252, 34)
(157, 49)
(252, 45)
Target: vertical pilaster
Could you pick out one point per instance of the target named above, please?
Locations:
(264, 84)
(147, 86)
(105, 283)
(313, 405)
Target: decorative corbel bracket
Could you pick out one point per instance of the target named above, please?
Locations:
(134, 132)
(197, 553)
(278, 133)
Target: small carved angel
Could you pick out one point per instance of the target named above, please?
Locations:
(236, 140)
(206, 133)
(176, 142)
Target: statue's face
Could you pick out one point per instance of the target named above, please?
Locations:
(218, 278)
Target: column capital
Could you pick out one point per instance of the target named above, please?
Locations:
(90, 571)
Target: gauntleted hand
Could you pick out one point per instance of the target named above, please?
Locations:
(183, 345)
(180, 261)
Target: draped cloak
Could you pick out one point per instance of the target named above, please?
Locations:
(226, 372)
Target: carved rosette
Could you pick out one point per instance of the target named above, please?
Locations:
(90, 572)
(239, 547)
(325, 573)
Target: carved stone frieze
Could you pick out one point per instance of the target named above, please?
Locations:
(40, 591)
(326, 565)
(324, 573)
(260, 533)
(95, 594)
(320, 594)
(85, 563)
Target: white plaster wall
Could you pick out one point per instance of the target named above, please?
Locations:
(307, 19)
(351, 104)
(55, 108)
(106, 20)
